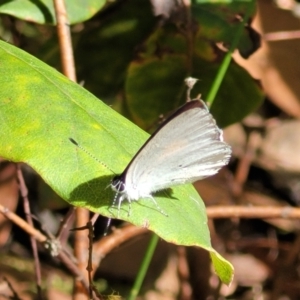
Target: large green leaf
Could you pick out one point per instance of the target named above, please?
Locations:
(42, 11)
(41, 109)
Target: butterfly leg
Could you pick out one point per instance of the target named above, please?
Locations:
(109, 209)
(157, 206)
(129, 211)
(120, 200)
(117, 196)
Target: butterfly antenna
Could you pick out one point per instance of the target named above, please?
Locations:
(107, 227)
(112, 205)
(95, 158)
(90, 154)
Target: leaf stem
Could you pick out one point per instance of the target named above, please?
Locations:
(144, 267)
(226, 61)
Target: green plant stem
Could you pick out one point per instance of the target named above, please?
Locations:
(144, 267)
(226, 61)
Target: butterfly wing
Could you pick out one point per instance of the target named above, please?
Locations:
(187, 147)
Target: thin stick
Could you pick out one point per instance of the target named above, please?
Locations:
(64, 38)
(37, 265)
(281, 35)
(23, 224)
(15, 294)
(81, 246)
(250, 212)
(64, 229)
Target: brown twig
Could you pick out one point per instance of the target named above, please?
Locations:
(15, 295)
(108, 243)
(282, 35)
(94, 218)
(89, 267)
(64, 229)
(81, 246)
(251, 212)
(65, 42)
(37, 265)
(184, 274)
(118, 236)
(23, 224)
(244, 164)
(68, 261)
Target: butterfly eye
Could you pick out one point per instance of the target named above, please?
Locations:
(118, 184)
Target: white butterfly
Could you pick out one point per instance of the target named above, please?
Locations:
(187, 147)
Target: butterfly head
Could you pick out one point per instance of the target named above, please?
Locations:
(118, 184)
(121, 185)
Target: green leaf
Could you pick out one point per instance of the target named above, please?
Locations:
(159, 91)
(221, 267)
(238, 96)
(154, 84)
(218, 23)
(42, 11)
(41, 109)
(112, 46)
